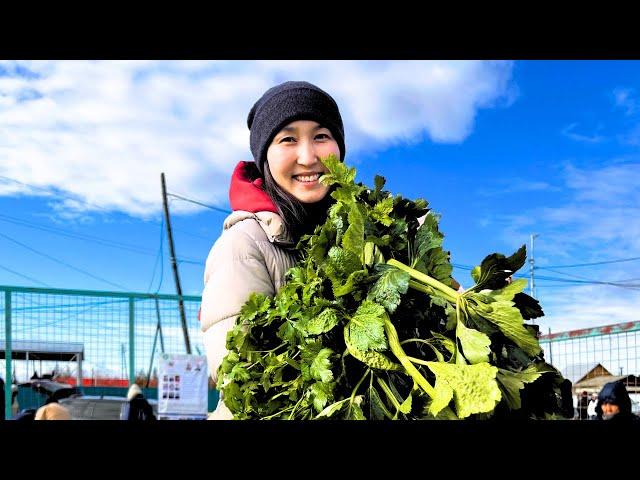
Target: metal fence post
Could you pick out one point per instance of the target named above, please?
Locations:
(7, 354)
(132, 371)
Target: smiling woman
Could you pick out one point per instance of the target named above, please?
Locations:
(275, 200)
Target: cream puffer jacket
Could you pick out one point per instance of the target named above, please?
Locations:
(252, 255)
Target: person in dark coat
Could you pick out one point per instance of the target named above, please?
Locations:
(567, 408)
(614, 403)
(583, 404)
(138, 409)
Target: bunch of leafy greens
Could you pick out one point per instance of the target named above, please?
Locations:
(368, 325)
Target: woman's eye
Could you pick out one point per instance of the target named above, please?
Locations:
(287, 139)
(322, 136)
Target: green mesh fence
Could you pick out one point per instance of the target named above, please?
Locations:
(92, 339)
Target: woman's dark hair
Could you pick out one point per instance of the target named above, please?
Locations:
(299, 218)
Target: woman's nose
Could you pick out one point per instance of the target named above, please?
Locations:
(307, 154)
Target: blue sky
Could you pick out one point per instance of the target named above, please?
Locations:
(500, 149)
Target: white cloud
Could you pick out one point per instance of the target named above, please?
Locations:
(624, 98)
(569, 131)
(587, 306)
(102, 131)
(516, 185)
(599, 221)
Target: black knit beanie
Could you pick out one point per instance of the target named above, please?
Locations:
(286, 103)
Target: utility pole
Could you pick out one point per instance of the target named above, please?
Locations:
(531, 263)
(174, 264)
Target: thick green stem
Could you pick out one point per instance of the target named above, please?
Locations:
(381, 405)
(421, 287)
(396, 348)
(355, 390)
(417, 360)
(421, 277)
(296, 407)
(389, 394)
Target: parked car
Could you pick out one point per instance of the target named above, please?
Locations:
(93, 407)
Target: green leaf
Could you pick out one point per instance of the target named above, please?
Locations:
(321, 366)
(355, 411)
(373, 359)
(444, 394)
(288, 333)
(333, 408)
(381, 211)
(353, 239)
(341, 263)
(324, 322)
(427, 236)
(233, 398)
(475, 273)
(389, 287)
(256, 305)
(239, 372)
(229, 361)
(507, 292)
(377, 409)
(510, 322)
(512, 382)
(476, 346)
(321, 394)
(366, 327)
(496, 268)
(529, 307)
(379, 182)
(475, 389)
(338, 171)
(343, 288)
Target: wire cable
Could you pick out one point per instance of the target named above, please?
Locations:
(64, 263)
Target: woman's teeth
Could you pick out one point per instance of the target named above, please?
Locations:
(307, 178)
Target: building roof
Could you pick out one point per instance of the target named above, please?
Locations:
(43, 350)
(595, 384)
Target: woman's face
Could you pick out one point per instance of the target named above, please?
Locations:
(294, 159)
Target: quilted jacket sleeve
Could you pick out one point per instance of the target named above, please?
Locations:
(235, 268)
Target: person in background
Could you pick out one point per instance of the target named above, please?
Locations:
(614, 403)
(52, 410)
(137, 407)
(566, 399)
(583, 403)
(591, 409)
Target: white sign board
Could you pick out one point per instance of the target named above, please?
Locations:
(182, 387)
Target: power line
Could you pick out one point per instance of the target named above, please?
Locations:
(159, 257)
(616, 283)
(78, 236)
(49, 192)
(25, 276)
(180, 197)
(564, 280)
(590, 264)
(63, 263)
(85, 237)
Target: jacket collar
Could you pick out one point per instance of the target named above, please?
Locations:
(270, 222)
(249, 200)
(246, 194)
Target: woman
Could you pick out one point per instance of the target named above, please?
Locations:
(275, 200)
